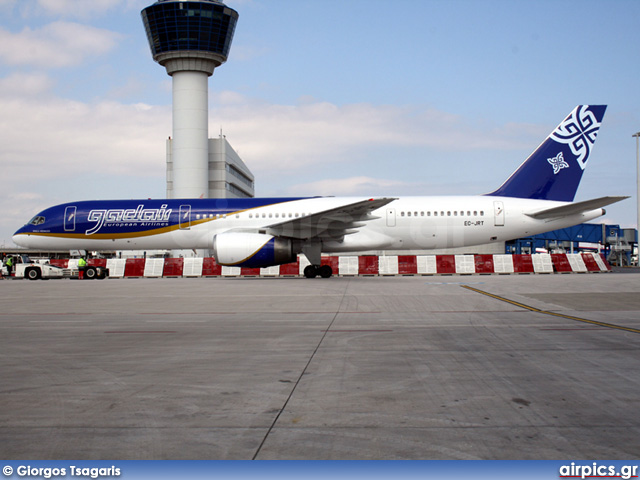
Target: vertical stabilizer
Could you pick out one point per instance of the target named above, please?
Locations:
(554, 170)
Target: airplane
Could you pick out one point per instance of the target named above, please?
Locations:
(262, 232)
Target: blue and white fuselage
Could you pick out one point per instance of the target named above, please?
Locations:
(405, 223)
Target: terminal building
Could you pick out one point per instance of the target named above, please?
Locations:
(228, 175)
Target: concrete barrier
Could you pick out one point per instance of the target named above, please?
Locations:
(539, 263)
(173, 267)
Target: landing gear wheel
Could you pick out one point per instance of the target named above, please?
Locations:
(310, 271)
(325, 271)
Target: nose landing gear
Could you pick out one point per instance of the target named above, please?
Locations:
(311, 271)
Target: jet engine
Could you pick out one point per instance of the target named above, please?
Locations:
(253, 250)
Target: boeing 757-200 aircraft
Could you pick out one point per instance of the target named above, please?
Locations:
(261, 232)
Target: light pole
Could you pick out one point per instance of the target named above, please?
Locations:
(637, 136)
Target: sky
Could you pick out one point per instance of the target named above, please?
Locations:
(351, 97)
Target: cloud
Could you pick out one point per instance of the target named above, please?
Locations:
(298, 136)
(49, 137)
(58, 44)
(245, 53)
(74, 7)
(80, 9)
(25, 85)
(361, 185)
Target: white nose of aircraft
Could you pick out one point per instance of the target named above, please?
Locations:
(20, 240)
(22, 237)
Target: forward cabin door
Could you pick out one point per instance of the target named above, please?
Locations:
(70, 219)
(498, 214)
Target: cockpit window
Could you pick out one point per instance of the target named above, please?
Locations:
(37, 220)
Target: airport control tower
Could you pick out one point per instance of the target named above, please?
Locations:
(190, 39)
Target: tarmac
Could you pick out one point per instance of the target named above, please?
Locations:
(439, 367)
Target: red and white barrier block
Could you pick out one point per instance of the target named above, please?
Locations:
(362, 265)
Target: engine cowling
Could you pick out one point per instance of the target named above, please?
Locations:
(253, 250)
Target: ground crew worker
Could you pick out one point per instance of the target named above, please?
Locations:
(9, 265)
(82, 265)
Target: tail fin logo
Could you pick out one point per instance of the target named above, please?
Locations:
(558, 163)
(579, 131)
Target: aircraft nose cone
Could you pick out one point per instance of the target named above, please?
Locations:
(19, 238)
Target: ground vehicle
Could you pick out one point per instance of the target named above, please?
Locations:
(24, 267)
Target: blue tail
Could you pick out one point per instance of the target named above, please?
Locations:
(554, 170)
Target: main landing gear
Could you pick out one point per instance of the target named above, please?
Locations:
(325, 271)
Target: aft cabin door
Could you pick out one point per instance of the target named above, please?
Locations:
(70, 219)
(185, 217)
(391, 217)
(498, 214)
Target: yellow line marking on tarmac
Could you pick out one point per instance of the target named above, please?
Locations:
(546, 312)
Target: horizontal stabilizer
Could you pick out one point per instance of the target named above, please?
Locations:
(575, 208)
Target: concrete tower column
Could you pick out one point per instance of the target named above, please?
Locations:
(190, 135)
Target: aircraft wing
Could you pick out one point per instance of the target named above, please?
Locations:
(575, 208)
(331, 223)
